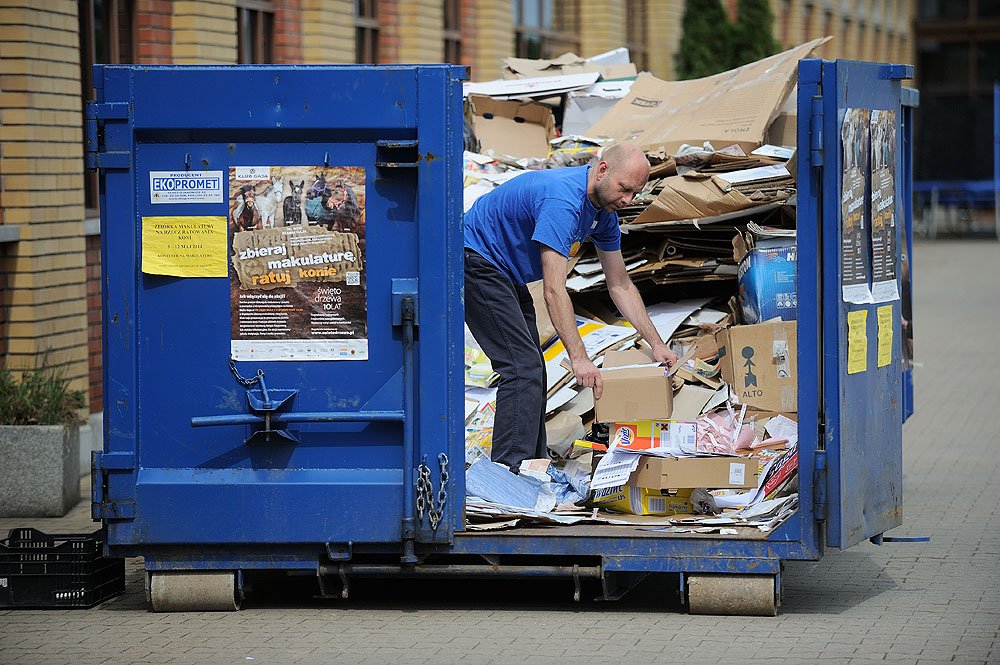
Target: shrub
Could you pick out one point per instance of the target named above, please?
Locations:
(40, 397)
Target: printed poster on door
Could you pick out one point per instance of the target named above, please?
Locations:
(885, 237)
(297, 284)
(853, 211)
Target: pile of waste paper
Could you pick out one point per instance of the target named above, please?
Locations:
(708, 445)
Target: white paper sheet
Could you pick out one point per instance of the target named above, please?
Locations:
(667, 317)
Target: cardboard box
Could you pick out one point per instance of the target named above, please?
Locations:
(583, 108)
(642, 501)
(518, 129)
(645, 434)
(759, 363)
(633, 392)
(766, 277)
(690, 472)
(737, 106)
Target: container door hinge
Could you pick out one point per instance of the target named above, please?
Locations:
(97, 155)
(102, 464)
(816, 132)
(819, 484)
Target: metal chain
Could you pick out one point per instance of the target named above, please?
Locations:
(425, 492)
(242, 380)
(423, 489)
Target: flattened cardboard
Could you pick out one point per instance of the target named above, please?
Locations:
(567, 63)
(684, 197)
(757, 375)
(692, 472)
(634, 393)
(518, 129)
(543, 323)
(737, 106)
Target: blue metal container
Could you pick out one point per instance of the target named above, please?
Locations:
(263, 412)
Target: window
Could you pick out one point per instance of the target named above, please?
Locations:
(365, 32)
(635, 34)
(106, 37)
(546, 28)
(453, 31)
(254, 31)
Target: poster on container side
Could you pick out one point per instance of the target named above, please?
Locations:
(297, 284)
(854, 137)
(885, 239)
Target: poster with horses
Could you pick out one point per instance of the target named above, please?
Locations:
(297, 283)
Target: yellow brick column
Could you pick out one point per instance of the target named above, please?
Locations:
(494, 38)
(204, 32)
(328, 32)
(603, 25)
(41, 188)
(663, 35)
(421, 31)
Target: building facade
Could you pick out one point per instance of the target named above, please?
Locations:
(49, 230)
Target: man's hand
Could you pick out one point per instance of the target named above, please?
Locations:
(588, 376)
(663, 354)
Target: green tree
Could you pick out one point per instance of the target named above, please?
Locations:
(705, 41)
(753, 35)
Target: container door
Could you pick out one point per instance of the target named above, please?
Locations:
(862, 248)
(278, 231)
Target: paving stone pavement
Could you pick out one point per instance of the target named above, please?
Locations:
(903, 603)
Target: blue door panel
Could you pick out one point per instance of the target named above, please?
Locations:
(167, 339)
(864, 409)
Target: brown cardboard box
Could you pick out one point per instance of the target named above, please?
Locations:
(732, 107)
(759, 364)
(689, 472)
(518, 129)
(633, 393)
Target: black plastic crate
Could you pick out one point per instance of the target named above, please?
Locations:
(40, 570)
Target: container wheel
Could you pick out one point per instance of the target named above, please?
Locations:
(193, 591)
(730, 594)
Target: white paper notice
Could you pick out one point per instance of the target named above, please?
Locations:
(737, 474)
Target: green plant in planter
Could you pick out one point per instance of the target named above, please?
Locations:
(40, 397)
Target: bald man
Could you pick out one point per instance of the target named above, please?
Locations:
(528, 229)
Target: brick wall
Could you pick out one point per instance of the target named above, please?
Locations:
(327, 31)
(41, 155)
(288, 32)
(154, 40)
(494, 38)
(388, 31)
(602, 26)
(94, 360)
(204, 32)
(421, 31)
(663, 34)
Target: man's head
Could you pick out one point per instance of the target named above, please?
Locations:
(620, 174)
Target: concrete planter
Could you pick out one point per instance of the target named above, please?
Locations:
(39, 470)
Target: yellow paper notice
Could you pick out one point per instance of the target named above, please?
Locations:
(184, 246)
(884, 314)
(857, 341)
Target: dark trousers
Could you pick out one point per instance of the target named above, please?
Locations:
(501, 316)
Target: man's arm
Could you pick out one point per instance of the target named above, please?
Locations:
(564, 320)
(626, 297)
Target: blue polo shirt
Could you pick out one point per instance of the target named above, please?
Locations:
(508, 225)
